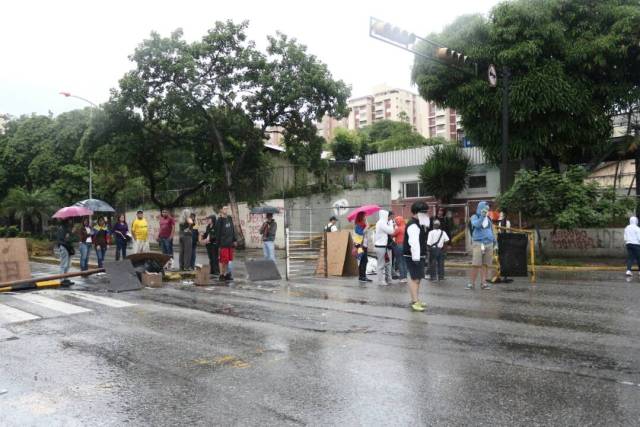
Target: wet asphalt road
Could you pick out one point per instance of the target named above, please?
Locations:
(326, 352)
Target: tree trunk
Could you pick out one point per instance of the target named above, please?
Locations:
(233, 202)
(22, 223)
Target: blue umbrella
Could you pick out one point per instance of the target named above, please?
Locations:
(96, 205)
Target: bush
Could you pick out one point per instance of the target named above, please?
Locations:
(564, 200)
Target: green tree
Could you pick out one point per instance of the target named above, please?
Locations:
(446, 172)
(218, 96)
(573, 65)
(564, 200)
(34, 206)
(345, 144)
(389, 135)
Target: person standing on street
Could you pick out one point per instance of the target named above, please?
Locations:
(482, 242)
(99, 238)
(415, 252)
(194, 241)
(63, 246)
(268, 232)
(398, 248)
(186, 240)
(436, 240)
(226, 237)
(140, 232)
(85, 233)
(361, 242)
(331, 227)
(165, 234)
(632, 243)
(384, 230)
(120, 232)
(210, 242)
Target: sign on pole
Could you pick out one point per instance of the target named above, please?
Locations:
(492, 75)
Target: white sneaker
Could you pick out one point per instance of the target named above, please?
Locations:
(629, 273)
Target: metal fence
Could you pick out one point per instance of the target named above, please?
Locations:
(303, 249)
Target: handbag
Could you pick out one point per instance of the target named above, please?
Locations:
(69, 248)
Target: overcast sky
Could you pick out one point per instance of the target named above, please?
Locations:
(82, 46)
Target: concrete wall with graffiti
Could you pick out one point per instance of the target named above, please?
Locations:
(250, 223)
(584, 242)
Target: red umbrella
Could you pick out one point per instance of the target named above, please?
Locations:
(367, 209)
(72, 211)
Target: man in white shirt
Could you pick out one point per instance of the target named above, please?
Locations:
(331, 227)
(415, 252)
(384, 229)
(436, 240)
(632, 243)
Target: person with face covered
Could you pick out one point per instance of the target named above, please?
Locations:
(414, 252)
(632, 243)
(482, 242)
(384, 229)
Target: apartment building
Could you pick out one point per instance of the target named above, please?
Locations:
(402, 105)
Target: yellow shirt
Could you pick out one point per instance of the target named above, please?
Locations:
(140, 229)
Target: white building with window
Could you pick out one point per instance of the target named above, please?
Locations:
(404, 167)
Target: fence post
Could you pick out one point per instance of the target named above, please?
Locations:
(326, 265)
(286, 252)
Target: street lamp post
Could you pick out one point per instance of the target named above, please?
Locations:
(402, 39)
(94, 105)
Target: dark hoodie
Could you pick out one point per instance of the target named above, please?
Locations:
(225, 232)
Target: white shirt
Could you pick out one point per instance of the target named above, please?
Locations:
(332, 228)
(437, 236)
(414, 241)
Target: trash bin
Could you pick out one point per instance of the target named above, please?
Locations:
(512, 253)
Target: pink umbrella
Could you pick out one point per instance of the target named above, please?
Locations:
(72, 211)
(367, 209)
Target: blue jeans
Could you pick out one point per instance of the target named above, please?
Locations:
(100, 252)
(399, 259)
(269, 250)
(84, 256)
(166, 246)
(633, 254)
(65, 259)
(121, 249)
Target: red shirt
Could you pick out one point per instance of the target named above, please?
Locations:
(166, 226)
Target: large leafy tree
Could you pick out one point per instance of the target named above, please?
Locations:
(446, 172)
(34, 206)
(573, 65)
(217, 97)
(389, 135)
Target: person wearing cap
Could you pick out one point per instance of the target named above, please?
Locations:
(436, 240)
(140, 233)
(415, 252)
(331, 227)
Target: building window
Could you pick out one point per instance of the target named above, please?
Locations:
(477, 181)
(413, 190)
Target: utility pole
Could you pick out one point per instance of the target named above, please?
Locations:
(504, 160)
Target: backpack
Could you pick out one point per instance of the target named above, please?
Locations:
(470, 225)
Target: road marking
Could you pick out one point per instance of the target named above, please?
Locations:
(110, 302)
(52, 304)
(12, 315)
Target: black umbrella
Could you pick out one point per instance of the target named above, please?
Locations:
(96, 205)
(265, 210)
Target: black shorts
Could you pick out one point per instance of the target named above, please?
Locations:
(415, 269)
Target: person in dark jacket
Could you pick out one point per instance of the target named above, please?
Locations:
(186, 236)
(194, 241)
(210, 242)
(63, 246)
(100, 240)
(268, 232)
(121, 231)
(226, 238)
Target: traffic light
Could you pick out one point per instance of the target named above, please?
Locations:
(391, 33)
(451, 56)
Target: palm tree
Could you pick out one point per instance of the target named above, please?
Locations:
(36, 205)
(446, 172)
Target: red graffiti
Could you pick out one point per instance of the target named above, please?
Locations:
(572, 239)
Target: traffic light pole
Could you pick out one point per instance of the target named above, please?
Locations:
(504, 161)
